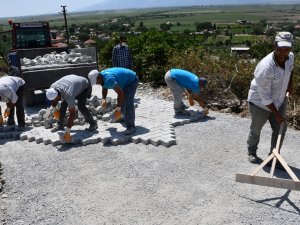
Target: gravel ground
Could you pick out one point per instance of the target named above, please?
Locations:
(192, 182)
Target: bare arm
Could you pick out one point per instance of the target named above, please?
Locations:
(71, 117)
(278, 116)
(120, 93)
(198, 98)
(104, 93)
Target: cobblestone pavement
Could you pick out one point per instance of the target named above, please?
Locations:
(155, 122)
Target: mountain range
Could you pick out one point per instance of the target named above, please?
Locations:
(140, 4)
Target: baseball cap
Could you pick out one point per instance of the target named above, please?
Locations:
(93, 76)
(51, 94)
(284, 39)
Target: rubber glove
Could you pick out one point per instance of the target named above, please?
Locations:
(67, 135)
(117, 113)
(1, 121)
(205, 111)
(191, 101)
(56, 113)
(7, 112)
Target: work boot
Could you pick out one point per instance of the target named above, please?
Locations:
(92, 127)
(252, 157)
(181, 112)
(10, 123)
(129, 131)
(21, 128)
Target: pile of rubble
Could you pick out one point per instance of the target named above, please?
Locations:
(55, 59)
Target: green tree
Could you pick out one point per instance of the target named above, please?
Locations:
(203, 26)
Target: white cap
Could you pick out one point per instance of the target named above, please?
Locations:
(93, 76)
(284, 39)
(51, 94)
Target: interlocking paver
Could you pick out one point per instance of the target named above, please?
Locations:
(155, 122)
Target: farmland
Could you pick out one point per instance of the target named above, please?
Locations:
(186, 16)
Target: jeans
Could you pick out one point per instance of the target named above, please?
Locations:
(81, 104)
(127, 108)
(259, 117)
(19, 109)
(177, 91)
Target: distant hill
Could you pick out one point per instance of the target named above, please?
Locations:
(131, 4)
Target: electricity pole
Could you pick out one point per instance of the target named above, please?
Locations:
(66, 25)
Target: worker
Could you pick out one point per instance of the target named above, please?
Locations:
(267, 94)
(12, 92)
(68, 89)
(121, 55)
(182, 81)
(124, 82)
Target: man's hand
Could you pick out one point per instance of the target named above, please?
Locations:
(279, 118)
(1, 121)
(56, 113)
(67, 135)
(7, 112)
(205, 111)
(103, 103)
(191, 101)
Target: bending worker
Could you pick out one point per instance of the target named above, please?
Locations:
(124, 82)
(267, 102)
(180, 81)
(68, 89)
(12, 92)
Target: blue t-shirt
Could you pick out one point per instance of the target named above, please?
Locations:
(117, 76)
(186, 80)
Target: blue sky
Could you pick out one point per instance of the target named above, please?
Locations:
(35, 7)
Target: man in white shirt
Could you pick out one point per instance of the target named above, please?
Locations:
(266, 97)
(12, 92)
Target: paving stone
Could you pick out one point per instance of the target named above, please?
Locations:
(155, 123)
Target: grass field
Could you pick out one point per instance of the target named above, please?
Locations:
(187, 16)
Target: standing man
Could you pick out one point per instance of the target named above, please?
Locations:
(272, 80)
(12, 92)
(124, 82)
(180, 81)
(121, 55)
(68, 89)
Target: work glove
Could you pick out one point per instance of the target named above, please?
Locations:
(205, 111)
(67, 135)
(56, 113)
(7, 112)
(191, 101)
(1, 121)
(117, 113)
(103, 103)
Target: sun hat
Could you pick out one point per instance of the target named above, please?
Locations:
(284, 39)
(51, 94)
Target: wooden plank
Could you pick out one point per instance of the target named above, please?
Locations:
(273, 166)
(257, 169)
(285, 166)
(268, 181)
